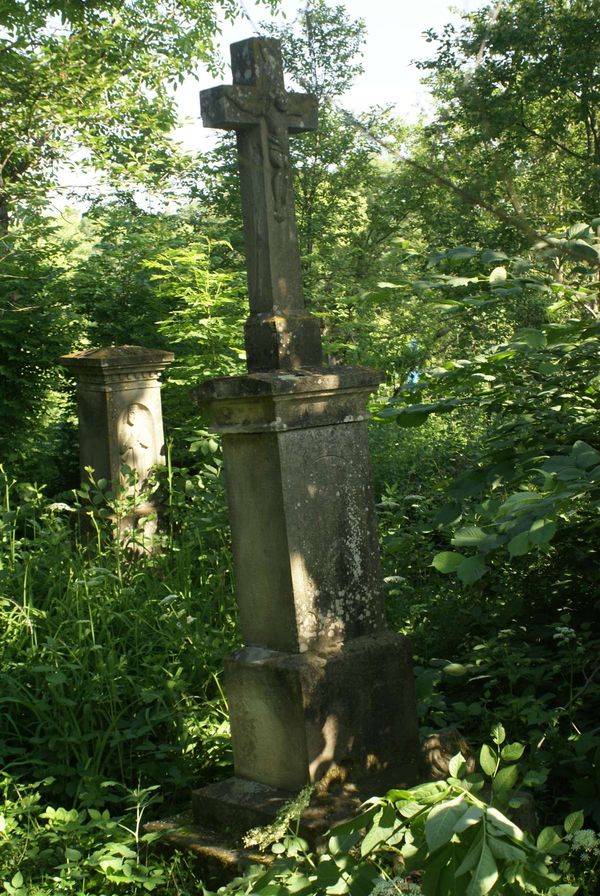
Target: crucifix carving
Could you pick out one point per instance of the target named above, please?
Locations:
(279, 332)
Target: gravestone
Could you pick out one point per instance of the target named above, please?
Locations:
(120, 422)
(320, 688)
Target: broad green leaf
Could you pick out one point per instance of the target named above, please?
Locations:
(461, 252)
(489, 256)
(471, 570)
(447, 561)
(519, 545)
(343, 843)
(472, 816)
(439, 827)
(469, 537)
(574, 822)
(542, 531)
(498, 734)
(485, 873)
(578, 230)
(583, 250)
(512, 752)
(497, 276)
(408, 808)
(520, 501)
(506, 779)
(456, 765)
(384, 824)
(533, 338)
(585, 456)
(548, 838)
(411, 416)
(430, 793)
(448, 514)
(488, 760)
(502, 849)
(472, 856)
(455, 669)
(504, 824)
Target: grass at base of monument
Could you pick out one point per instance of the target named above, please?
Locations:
(108, 663)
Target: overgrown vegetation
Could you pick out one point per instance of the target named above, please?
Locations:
(462, 256)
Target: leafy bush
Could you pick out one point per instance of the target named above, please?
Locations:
(450, 838)
(109, 663)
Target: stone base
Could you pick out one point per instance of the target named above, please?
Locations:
(348, 711)
(237, 805)
(218, 858)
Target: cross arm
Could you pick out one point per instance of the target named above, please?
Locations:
(235, 106)
(229, 106)
(302, 112)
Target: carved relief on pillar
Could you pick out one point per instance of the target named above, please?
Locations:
(137, 445)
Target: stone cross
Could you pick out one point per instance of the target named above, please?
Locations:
(279, 333)
(320, 690)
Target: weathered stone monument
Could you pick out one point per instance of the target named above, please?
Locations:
(120, 422)
(320, 686)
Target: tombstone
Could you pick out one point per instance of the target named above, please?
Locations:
(120, 424)
(320, 688)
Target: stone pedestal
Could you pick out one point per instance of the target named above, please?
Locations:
(320, 684)
(120, 419)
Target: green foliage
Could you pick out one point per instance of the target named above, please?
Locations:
(98, 78)
(514, 131)
(46, 849)
(109, 663)
(205, 321)
(452, 836)
(37, 325)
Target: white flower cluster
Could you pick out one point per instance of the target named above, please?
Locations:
(585, 842)
(394, 886)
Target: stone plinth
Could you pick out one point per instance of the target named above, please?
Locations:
(119, 410)
(320, 683)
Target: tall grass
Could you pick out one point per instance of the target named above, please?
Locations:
(109, 661)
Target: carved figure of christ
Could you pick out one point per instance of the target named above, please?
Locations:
(262, 113)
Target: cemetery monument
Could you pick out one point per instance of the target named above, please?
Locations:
(120, 422)
(320, 685)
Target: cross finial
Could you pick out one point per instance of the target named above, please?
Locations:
(279, 332)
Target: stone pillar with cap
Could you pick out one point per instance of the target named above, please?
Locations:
(320, 683)
(120, 420)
